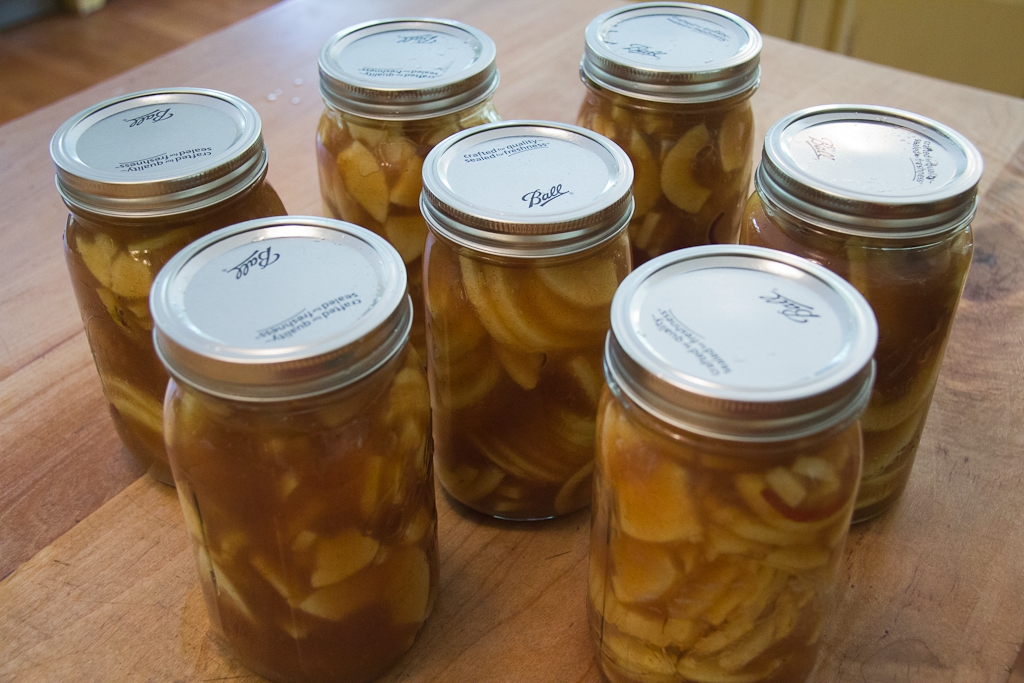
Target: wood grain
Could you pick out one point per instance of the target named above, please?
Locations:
(932, 590)
(118, 599)
(58, 55)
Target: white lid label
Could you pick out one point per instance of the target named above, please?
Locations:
(767, 332)
(679, 41)
(872, 158)
(282, 292)
(405, 57)
(528, 175)
(158, 140)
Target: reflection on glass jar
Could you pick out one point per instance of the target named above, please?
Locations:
(132, 206)
(527, 245)
(392, 90)
(671, 84)
(299, 437)
(885, 199)
(728, 458)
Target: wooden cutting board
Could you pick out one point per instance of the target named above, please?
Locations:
(100, 584)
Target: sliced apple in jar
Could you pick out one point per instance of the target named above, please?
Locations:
(98, 255)
(364, 179)
(646, 183)
(734, 139)
(588, 283)
(677, 176)
(407, 234)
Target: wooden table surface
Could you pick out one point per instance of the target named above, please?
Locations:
(99, 582)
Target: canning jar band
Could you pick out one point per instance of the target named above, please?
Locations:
(457, 220)
(393, 111)
(393, 343)
(919, 231)
(471, 84)
(712, 444)
(849, 400)
(669, 105)
(738, 87)
(371, 120)
(173, 204)
(693, 72)
(524, 246)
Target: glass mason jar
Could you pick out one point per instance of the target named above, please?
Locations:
(728, 458)
(392, 90)
(527, 244)
(143, 175)
(885, 199)
(298, 428)
(671, 84)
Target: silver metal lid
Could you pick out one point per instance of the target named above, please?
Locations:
(742, 343)
(870, 171)
(527, 188)
(672, 52)
(407, 68)
(158, 152)
(280, 307)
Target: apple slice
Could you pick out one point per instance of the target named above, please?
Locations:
(98, 255)
(464, 381)
(677, 178)
(638, 660)
(653, 500)
(339, 557)
(407, 234)
(588, 283)
(364, 179)
(341, 599)
(710, 671)
(495, 292)
(469, 483)
(407, 584)
(646, 181)
(576, 489)
(395, 152)
(523, 463)
(522, 366)
(370, 136)
(675, 632)
(642, 571)
(130, 278)
(134, 404)
(734, 139)
(227, 593)
(272, 573)
(406, 190)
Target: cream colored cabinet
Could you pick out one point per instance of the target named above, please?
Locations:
(976, 42)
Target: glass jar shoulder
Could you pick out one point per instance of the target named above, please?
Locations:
(540, 305)
(380, 403)
(869, 263)
(780, 471)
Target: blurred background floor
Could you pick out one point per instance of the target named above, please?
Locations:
(975, 42)
(54, 56)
